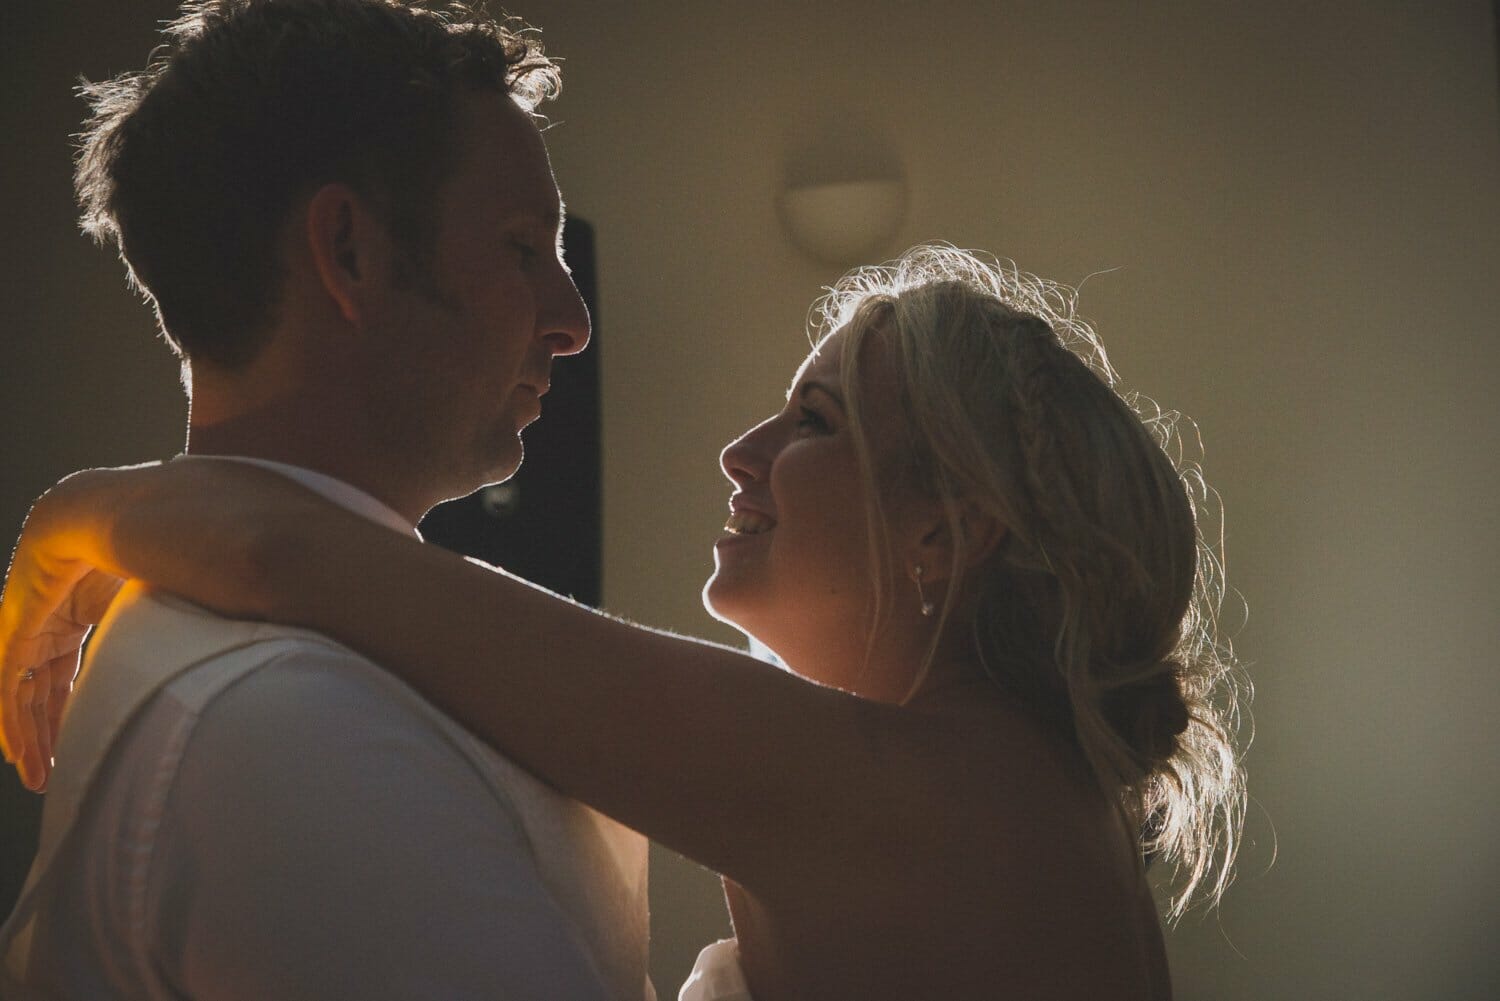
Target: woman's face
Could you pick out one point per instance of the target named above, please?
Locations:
(792, 567)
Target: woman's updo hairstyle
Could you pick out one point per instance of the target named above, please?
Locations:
(1099, 607)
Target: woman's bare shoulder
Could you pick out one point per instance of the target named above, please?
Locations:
(984, 803)
(989, 762)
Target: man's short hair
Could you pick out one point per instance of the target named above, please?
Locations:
(192, 165)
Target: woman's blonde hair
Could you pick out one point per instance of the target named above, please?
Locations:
(1099, 608)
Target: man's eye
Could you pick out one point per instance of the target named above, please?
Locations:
(527, 252)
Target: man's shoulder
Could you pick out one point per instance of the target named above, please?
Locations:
(231, 682)
(223, 683)
(150, 644)
(142, 621)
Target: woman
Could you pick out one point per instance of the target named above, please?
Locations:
(981, 567)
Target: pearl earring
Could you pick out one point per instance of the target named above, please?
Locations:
(927, 606)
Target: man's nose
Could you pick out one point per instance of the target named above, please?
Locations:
(564, 322)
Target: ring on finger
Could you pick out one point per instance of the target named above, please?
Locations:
(29, 674)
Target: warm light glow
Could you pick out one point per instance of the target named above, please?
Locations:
(846, 222)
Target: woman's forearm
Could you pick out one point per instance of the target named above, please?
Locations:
(713, 753)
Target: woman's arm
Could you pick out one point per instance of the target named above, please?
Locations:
(715, 754)
(711, 752)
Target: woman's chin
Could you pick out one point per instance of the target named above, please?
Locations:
(721, 600)
(714, 602)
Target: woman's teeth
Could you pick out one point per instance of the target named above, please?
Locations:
(748, 523)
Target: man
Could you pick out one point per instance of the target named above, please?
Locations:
(345, 218)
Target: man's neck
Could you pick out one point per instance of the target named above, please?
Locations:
(320, 448)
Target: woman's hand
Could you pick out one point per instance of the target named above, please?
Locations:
(99, 527)
(54, 594)
(40, 661)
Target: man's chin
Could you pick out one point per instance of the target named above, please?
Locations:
(502, 462)
(483, 475)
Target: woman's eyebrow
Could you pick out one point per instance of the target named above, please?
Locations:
(812, 385)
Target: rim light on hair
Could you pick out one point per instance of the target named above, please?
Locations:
(1100, 608)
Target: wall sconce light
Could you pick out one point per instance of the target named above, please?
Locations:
(843, 222)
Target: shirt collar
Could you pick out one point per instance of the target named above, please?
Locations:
(336, 490)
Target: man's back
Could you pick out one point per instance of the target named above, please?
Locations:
(283, 819)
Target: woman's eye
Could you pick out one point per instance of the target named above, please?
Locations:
(809, 420)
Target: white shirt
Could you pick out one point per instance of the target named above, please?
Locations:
(279, 818)
(717, 976)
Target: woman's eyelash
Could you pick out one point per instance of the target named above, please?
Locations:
(811, 419)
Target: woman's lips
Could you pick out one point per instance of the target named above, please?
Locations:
(747, 522)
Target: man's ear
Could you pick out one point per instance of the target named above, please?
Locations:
(932, 545)
(349, 246)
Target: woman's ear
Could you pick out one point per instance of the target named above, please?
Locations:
(934, 539)
(350, 248)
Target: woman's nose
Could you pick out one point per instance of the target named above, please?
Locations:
(746, 459)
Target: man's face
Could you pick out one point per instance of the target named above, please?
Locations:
(463, 355)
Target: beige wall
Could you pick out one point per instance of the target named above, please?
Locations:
(1301, 206)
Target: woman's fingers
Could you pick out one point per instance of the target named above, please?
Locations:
(36, 678)
(27, 608)
(41, 695)
(42, 765)
(14, 694)
(25, 738)
(44, 619)
(60, 672)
